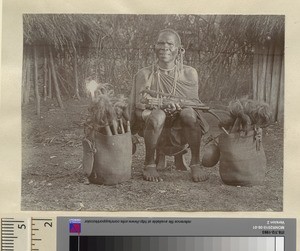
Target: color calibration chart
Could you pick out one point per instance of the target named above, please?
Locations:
(147, 234)
(176, 234)
(136, 243)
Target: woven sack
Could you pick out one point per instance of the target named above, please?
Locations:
(107, 159)
(242, 159)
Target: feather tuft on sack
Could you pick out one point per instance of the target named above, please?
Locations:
(242, 157)
(107, 146)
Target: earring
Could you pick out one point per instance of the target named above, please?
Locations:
(181, 52)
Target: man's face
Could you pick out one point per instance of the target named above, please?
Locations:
(166, 48)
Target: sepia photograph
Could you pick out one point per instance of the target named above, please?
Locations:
(180, 112)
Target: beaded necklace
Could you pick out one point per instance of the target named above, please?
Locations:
(159, 88)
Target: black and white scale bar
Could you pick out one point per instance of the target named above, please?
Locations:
(7, 248)
(35, 219)
(13, 221)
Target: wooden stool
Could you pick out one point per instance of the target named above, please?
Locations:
(180, 162)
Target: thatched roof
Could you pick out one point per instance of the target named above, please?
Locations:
(62, 30)
(81, 29)
(255, 28)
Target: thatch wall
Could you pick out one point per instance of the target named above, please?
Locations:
(268, 77)
(234, 55)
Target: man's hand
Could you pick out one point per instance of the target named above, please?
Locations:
(171, 107)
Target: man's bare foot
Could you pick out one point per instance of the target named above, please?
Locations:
(198, 173)
(150, 173)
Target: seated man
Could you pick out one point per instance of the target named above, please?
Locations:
(170, 122)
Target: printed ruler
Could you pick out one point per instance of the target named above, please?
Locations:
(28, 234)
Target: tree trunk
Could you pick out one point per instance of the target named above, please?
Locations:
(24, 71)
(36, 84)
(255, 74)
(27, 83)
(262, 77)
(269, 72)
(280, 115)
(55, 82)
(76, 73)
(49, 83)
(45, 74)
(277, 64)
(259, 74)
(63, 84)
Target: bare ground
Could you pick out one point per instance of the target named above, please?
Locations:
(53, 178)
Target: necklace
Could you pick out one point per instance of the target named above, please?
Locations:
(164, 69)
(167, 71)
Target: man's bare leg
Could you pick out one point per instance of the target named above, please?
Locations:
(160, 159)
(154, 126)
(192, 133)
